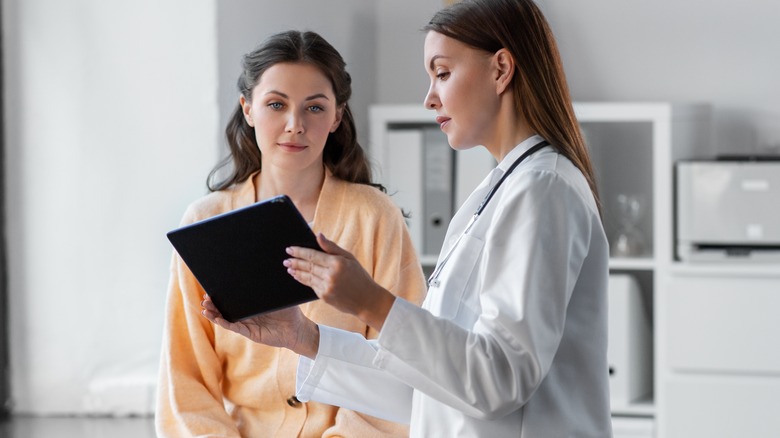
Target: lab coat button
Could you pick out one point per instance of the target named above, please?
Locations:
(293, 401)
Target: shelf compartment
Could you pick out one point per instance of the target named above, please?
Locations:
(622, 156)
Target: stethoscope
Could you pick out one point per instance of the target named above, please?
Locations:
(433, 280)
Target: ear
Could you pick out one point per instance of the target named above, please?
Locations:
(504, 69)
(339, 116)
(246, 107)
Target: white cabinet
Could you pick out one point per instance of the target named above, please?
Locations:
(720, 405)
(719, 351)
(723, 324)
(633, 147)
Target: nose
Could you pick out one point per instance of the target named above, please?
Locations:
(431, 99)
(294, 123)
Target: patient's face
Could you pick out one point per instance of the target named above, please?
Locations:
(293, 109)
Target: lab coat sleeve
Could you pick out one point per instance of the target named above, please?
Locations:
(534, 249)
(343, 375)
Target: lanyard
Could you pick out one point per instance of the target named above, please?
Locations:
(433, 281)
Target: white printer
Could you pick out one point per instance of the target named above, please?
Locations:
(728, 209)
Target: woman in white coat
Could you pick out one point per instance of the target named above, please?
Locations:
(511, 339)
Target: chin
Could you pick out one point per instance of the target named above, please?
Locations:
(459, 145)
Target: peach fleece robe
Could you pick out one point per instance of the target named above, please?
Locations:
(216, 383)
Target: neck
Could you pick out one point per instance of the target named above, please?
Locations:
(509, 129)
(303, 187)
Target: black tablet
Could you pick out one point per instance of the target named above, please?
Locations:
(237, 257)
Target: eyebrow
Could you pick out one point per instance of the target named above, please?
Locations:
(312, 97)
(433, 60)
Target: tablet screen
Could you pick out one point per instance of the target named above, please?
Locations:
(237, 257)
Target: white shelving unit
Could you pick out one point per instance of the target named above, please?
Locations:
(633, 147)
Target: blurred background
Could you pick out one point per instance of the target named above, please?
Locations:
(113, 114)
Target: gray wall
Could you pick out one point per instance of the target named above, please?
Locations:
(349, 25)
(665, 50)
(401, 77)
(718, 52)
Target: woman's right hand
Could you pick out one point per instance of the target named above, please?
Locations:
(287, 328)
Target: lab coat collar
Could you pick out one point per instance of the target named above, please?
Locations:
(518, 150)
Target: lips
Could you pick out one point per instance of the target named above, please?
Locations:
(292, 147)
(442, 121)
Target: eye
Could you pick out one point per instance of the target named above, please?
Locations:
(276, 105)
(443, 75)
(316, 108)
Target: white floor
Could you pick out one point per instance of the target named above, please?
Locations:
(82, 427)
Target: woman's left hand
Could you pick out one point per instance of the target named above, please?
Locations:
(288, 328)
(339, 280)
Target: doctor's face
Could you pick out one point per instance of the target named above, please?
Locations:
(461, 90)
(293, 109)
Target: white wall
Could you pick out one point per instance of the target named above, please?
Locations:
(111, 122)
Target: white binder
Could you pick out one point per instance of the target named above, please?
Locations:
(438, 183)
(630, 347)
(403, 172)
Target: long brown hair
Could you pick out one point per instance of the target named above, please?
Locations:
(540, 91)
(342, 155)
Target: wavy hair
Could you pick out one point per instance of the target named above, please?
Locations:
(342, 155)
(541, 93)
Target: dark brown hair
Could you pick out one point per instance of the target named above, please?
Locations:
(539, 84)
(342, 155)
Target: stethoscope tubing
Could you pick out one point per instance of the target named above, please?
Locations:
(433, 280)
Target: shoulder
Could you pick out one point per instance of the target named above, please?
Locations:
(364, 199)
(213, 204)
(556, 179)
(209, 205)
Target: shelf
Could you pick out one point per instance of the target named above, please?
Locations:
(638, 263)
(633, 426)
(428, 260)
(629, 264)
(727, 269)
(644, 407)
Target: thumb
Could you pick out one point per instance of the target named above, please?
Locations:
(330, 247)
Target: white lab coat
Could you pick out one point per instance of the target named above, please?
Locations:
(513, 342)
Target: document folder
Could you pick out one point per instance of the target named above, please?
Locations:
(438, 160)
